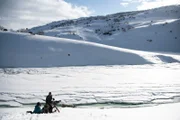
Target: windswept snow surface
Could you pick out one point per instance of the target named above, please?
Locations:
(119, 85)
(152, 30)
(97, 92)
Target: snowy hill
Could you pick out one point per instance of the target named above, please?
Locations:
(76, 42)
(26, 50)
(101, 66)
(151, 30)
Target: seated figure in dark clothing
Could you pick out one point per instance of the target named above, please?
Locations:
(37, 109)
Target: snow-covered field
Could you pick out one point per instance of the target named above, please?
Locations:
(123, 66)
(97, 92)
(163, 112)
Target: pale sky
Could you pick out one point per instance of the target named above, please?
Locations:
(17, 14)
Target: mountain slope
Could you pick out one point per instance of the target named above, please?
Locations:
(151, 30)
(24, 50)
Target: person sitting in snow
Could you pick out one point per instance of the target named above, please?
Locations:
(37, 109)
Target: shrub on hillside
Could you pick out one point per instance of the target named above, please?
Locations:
(5, 29)
(107, 33)
(97, 30)
(23, 30)
(123, 29)
(40, 33)
(165, 23)
(149, 40)
(31, 33)
(129, 27)
(116, 20)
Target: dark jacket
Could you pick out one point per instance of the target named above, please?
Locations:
(49, 99)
